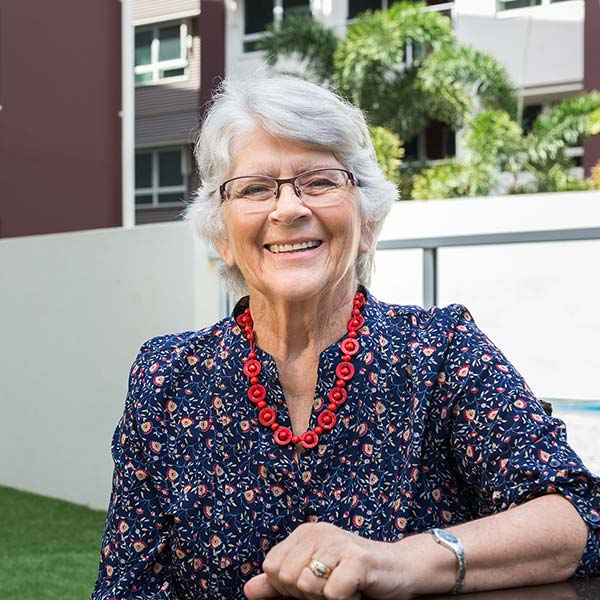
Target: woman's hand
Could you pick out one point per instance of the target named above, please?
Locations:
(359, 566)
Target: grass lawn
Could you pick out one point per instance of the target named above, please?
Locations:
(49, 549)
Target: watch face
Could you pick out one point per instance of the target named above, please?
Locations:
(447, 536)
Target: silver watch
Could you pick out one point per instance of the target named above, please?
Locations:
(449, 540)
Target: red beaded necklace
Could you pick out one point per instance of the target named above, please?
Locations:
(344, 371)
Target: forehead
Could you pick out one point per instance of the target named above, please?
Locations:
(261, 153)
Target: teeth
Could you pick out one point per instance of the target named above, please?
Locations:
(276, 248)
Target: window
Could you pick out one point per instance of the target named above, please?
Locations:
(436, 142)
(161, 176)
(258, 14)
(530, 113)
(508, 4)
(355, 7)
(160, 53)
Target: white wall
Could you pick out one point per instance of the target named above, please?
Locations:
(74, 310)
(537, 302)
(541, 47)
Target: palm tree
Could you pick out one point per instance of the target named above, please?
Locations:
(404, 67)
(496, 143)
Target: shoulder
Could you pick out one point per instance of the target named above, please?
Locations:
(166, 357)
(419, 321)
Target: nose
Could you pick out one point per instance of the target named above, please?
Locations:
(288, 206)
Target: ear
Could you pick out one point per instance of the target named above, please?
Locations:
(367, 237)
(223, 247)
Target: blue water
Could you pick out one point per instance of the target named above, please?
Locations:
(576, 406)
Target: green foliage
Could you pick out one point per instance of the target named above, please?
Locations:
(440, 81)
(458, 77)
(452, 180)
(367, 61)
(565, 124)
(50, 548)
(389, 151)
(595, 177)
(311, 41)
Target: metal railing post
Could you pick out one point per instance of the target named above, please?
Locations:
(429, 277)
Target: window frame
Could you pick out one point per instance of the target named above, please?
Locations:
(249, 38)
(502, 8)
(155, 189)
(385, 4)
(157, 65)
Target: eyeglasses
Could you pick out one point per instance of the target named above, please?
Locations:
(319, 187)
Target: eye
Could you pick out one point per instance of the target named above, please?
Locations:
(318, 184)
(257, 189)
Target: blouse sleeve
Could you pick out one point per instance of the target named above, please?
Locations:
(135, 556)
(507, 450)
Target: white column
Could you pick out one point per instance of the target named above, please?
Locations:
(127, 116)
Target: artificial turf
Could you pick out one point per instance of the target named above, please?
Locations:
(49, 549)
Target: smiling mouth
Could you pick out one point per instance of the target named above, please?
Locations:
(279, 248)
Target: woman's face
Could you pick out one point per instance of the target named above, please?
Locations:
(254, 240)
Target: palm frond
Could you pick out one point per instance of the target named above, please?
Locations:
(308, 39)
(459, 75)
(566, 124)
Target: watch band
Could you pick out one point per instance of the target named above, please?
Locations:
(452, 542)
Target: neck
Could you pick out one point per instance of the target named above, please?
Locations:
(291, 329)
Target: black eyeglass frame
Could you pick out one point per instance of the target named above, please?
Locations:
(291, 180)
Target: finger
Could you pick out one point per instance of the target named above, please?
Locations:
(259, 587)
(292, 568)
(346, 580)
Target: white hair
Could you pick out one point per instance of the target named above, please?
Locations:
(295, 109)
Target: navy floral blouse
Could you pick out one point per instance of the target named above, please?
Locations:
(438, 429)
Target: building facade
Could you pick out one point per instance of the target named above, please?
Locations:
(60, 130)
(60, 103)
(540, 42)
(179, 57)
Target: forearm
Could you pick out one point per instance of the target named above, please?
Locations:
(540, 541)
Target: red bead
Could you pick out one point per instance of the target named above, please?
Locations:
(352, 334)
(345, 371)
(253, 380)
(355, 311)
(309, 439)
(261, 404)
(283, 436)
(252, 355)
(327, 420)
(252, 368)
(267, 416)
(332, 407)
(340, 383)
(355, 323)
(295, 439)
(337, 397)
(257, 393)
(350, 346)
(275, 426)
(346, 358)
(318, 430)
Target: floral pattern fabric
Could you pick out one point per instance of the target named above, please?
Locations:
(438, 429)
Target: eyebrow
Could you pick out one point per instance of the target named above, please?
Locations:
(299, 168)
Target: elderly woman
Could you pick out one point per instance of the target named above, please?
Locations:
(318, 442)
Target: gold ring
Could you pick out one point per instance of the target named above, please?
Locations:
(319, 569)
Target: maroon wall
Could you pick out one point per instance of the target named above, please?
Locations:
(591, 73)
(60, 136)
(211, 28)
